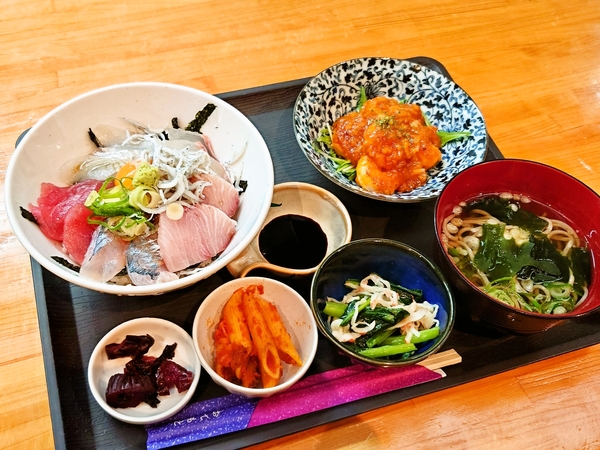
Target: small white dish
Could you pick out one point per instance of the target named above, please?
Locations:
(100, 368)
(295, 314)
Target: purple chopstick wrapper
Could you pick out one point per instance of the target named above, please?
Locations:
(232, 412)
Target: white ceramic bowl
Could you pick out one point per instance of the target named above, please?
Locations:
(61, 136)
(294, 312)
(100, 368)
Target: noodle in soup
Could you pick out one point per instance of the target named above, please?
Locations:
(528, 261)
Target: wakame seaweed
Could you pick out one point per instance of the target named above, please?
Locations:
(201, 118)
(581, 263)
(500, 257)
(503, 210)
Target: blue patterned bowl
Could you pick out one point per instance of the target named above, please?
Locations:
(335, 92)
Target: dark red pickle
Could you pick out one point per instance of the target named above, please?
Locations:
(132, 346)
(144, 377)
(128, 391)
(170, 374)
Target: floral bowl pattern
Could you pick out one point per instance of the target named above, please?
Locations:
(336, 90)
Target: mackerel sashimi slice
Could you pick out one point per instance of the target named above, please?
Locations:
(203, 232)
(105, 257)
(144, 263)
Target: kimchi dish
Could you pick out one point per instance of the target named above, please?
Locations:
(252, 342)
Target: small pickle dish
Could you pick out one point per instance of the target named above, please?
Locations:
(175, 367)
(382, 302)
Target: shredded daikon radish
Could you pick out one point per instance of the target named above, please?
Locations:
(181, 157)
(378, 292)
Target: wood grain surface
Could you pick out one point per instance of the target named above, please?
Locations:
(532, 66)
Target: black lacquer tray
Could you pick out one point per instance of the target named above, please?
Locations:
(73, 319)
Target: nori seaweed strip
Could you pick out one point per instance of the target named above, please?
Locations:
(175, 122)
(28, 215)
(94, 138)
(201, 117)
(243, 185)
(65, 263)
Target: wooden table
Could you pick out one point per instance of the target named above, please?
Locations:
(533, 68)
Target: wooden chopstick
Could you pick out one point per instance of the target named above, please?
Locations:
(442, 359)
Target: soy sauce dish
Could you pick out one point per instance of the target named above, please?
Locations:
(163, 333)
(397, 263)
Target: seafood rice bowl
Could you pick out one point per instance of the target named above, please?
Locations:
(139, 188)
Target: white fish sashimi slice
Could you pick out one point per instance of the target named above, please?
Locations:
(105, 256)
(220, 170)
(176, 134)
(203, 232)
(185, 135)
(111, 135)
(144, 264)
(221, 194)
(192, 136)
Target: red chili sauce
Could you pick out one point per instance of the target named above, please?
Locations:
(389, 144)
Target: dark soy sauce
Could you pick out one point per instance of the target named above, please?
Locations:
(293, 241)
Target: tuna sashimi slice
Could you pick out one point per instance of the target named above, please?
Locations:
(55, 202)
(105, 256)
(77, 232)
(220, 193)
(50, 196)
(203, 232)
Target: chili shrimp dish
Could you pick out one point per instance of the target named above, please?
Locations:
(388, 129)
(139, 188)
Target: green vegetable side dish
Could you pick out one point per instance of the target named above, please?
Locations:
(323, 143)
(382, 320)
(527, 261)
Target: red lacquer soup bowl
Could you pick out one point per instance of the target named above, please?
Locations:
(552, 192)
